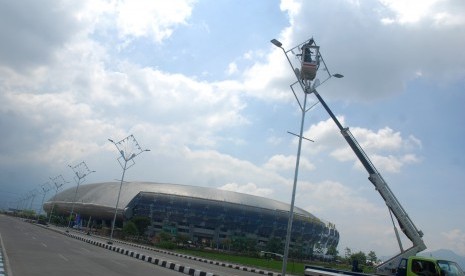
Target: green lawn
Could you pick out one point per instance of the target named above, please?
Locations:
(296, 268)
(293, 267)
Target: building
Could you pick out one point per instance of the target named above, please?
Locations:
(206, 215)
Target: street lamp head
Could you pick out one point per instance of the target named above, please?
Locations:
(146, 150)
(111, 141)
(276, 43)
(337, 75)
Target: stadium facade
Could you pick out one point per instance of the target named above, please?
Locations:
(205, 215)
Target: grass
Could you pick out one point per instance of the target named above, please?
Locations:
(293, 267)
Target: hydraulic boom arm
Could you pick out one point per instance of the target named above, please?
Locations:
(405, 223)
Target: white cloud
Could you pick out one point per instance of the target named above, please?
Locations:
(391, 163)
(334, 196)
(388, 46)
(291, 6)
(285, 163)
(232, 68)
(411, 11)
(103, 101)
(387, 149)
(363, 225)
(29, 39)
(73, 131)
(249, 188)
(440, 12)
(155, 19)
(273, 140)
(455, 240)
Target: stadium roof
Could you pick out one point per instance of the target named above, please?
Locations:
(104, 195)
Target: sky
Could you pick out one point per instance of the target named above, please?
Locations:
(200, 85)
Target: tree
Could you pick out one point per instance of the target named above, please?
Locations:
(130, 229)
(332, 251)
(164, 236)
(239, 244)
(166, 240)
(182, 239)
(297, 251)
(358, 259)
(227, 243)
(372, 257)
(141, 223)
(275, 245)
(251, 245)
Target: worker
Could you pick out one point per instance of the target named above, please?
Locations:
(416, 267)
(307, 55)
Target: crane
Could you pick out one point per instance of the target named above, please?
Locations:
(395, 208)
(310, 63)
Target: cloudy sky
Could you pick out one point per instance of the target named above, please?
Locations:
(200, 85)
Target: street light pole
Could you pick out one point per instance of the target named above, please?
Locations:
(117, 202)
(128, 149)
(81, 171)
(303, 109)
(307, 88)
(58, 181)
(33, 195)
(45, 188)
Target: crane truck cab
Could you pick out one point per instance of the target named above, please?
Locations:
(412, 266)
(423, 266)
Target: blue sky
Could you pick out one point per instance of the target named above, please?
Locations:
(200, 84)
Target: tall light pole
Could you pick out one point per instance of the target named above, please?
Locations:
(307, 87)
(80, 172)
(128, 149)
(32, 195)
(45, 188)
(21, 203)
(58, 182)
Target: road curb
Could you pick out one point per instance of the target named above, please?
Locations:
(218, 263)
(2, 267)
(143, 257)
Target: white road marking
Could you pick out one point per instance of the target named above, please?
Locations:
(63, 257)
(43, 244)
(85, 249)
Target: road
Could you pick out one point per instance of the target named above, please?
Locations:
(32, 250)
(182, 259)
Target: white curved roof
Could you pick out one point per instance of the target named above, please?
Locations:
(105, 195)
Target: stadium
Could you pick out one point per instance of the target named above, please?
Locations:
(205, 215)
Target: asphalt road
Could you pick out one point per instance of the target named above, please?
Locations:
(36, 250)
(199, 265)
(32, 250)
